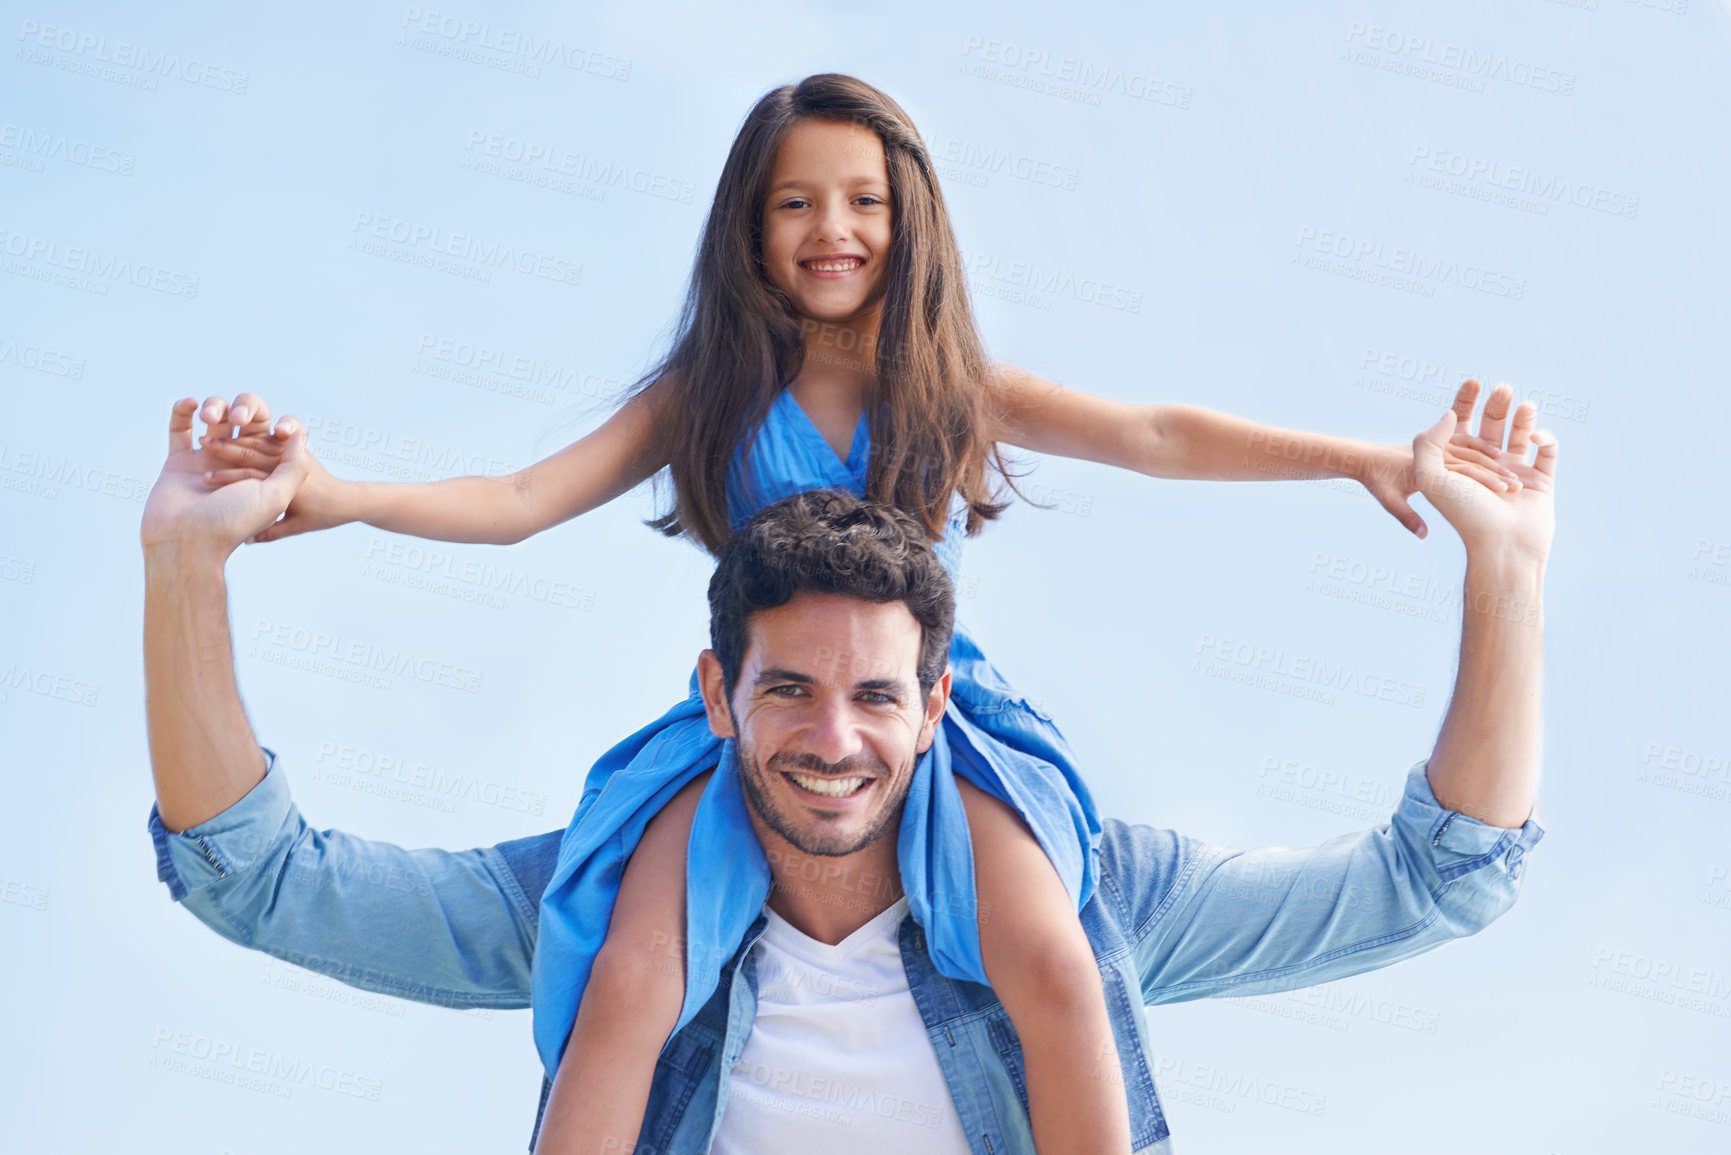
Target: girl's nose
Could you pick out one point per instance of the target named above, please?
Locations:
(832, 225)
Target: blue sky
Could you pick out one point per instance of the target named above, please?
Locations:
(1320, 219)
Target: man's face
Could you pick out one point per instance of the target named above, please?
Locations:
(828, 718)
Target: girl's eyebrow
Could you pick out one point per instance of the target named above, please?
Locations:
(794, 182)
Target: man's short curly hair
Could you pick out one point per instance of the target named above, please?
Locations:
(829, 541)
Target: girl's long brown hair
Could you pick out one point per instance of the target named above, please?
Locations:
(738, 342)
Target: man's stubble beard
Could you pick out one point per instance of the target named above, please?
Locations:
(754, 777)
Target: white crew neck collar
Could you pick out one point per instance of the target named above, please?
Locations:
(785, 936)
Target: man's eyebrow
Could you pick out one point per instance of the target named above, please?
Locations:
(894, 687)
(779, 674)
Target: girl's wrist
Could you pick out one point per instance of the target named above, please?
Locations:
(350, 500)
(1372, 463)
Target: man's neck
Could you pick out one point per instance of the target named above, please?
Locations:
(828, 898)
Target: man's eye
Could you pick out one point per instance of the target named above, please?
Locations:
(876, 698)
(785, 691)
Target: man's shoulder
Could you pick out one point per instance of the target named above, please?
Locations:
(1132, 846)
(531, 862)
(1140, 866)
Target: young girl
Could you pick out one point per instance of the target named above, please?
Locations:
(827, 340)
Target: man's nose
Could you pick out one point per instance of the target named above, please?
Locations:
(832, 734)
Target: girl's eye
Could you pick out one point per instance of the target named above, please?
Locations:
(868, 199)
(795, 203)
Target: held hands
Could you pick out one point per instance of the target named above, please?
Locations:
(254, 452)
(184, 510)
(1512, 522)
(1391, 476)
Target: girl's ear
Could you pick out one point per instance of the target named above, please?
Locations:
(713, 686)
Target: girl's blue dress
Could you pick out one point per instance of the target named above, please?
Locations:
(990, 735)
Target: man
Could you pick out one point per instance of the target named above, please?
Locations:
(1173, 918)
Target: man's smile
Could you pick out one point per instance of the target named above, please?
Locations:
(826, 786)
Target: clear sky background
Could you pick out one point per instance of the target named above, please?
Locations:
(1158, 203)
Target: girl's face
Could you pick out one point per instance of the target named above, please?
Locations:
(826, 220)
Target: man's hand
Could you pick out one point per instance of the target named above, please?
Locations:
(184, 510)
(1391, 475)
(321, 502)
(1521, 520)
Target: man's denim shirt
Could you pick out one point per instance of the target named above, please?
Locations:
(1174, 918)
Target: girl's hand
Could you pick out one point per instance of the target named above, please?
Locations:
(1391, 478)
(319, 503)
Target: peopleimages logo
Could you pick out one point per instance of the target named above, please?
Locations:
(82, 48)
(1297, 673)
(1072, 77)
(40, 359)
(583, 167)
(69, 150)
(1456, 64)
(1372, 255)
(528, 47)
(432, 241)
(89, 262)
(367, 661)
(1523, 179)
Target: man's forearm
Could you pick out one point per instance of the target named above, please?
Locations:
(202, 750)
(1486, 761)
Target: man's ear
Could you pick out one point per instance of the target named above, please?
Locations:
(713, 686)
(936, 703)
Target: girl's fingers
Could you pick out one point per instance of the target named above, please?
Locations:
(1405, 514)
(237, 452)
(1481, 475)
(214, 414)
(224, 476)
(250, 412)
(1477, 456)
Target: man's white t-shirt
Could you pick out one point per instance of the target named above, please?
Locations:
(838, 1062)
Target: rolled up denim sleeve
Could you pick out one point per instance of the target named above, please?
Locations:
(453, 928)
(1229, 922)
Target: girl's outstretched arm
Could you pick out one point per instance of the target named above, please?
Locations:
(502, 510)
(1189, 442)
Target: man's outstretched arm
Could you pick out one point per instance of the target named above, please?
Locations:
(1209, 920)
(1486, 760)
(455, 928)
(202, 751)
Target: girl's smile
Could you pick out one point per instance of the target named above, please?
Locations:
(833, 267)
